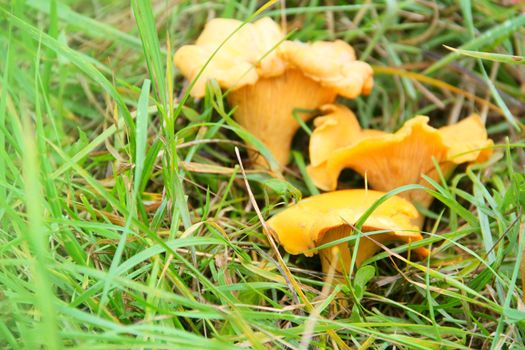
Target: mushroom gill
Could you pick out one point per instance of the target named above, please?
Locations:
(266, 109)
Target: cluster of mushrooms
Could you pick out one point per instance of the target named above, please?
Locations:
(269, 78)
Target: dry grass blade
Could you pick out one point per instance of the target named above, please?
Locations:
(212, 169)
(316, 312)
(434, 82)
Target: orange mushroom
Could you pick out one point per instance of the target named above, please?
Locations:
(269, 77)
(323, 218)
(391, 160)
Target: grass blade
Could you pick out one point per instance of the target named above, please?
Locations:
(504, 29)
(490, 56)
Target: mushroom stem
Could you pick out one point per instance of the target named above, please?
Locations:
(367, 247)
(266, 109)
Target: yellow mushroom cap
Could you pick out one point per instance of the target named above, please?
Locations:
(401, 158)
(246, 56)
(332, 64)
(257, 50)
(302, 227)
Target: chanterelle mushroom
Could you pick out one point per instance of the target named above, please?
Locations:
(269, 77)
(393, 160)
(321, 219)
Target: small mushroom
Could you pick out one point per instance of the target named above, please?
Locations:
(391, 160)
(269, 77)
(323, 218)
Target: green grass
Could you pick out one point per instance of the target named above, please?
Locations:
(125, 222)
